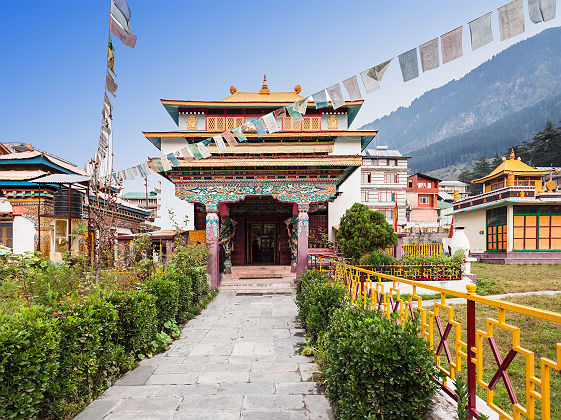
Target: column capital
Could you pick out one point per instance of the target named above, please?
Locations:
(211, 208)
(303, 207)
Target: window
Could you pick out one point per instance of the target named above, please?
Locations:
(60, 235)
(367, 162)
(410, 184)
(215, 123)
(386, 196)
(390, 178)
(392, 162)
(307, 124)
(496, 229)
(6, 236)
(367, 177)
(537, 227)
(495, 184)
(383, 162)
(388, 213)
(424, 200)
(364, 196)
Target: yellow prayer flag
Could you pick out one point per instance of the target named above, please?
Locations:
(110, 59)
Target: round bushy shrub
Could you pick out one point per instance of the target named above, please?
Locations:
(167, 297)
(29, 350)
(306, 282)
(377, 369)
(138, 320)
(323, 300)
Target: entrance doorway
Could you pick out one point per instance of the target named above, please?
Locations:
(263, 240)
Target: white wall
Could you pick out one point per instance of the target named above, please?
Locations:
(347, 146)
(24, 235)
(473, 223)
(349, 194)
(172, 145)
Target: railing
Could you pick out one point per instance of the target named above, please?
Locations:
(419, 272)
(479, 350)
(422, 249)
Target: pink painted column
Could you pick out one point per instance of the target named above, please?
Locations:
(212, 226)
(303, 228)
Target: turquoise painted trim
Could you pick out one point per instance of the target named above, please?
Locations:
(39, 160)
(156, 141)
(506, 201)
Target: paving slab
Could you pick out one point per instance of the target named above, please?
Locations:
(239, 359)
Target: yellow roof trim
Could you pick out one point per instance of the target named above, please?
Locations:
(512, 165)
(279, 161)
(257, 100)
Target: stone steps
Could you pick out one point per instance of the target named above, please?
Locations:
(259, 279)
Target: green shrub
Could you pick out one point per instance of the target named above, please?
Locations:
(199, 284)
(377, 369)
(29, 353)
(323, 300)
(378, 257)
(185, 296)
(188, 256)
(362, 230)
(137, 325)
(89, 357)
(306, 282)
(167, 295)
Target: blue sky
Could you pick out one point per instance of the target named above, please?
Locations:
(54, 52)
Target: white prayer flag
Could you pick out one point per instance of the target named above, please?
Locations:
(351, 84)
(203, 149)
(271, 122)
(336, 96)
(165, 163)
(301, 106)
(219, 142)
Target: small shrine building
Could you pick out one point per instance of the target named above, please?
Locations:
(261, 200)
(517, 219)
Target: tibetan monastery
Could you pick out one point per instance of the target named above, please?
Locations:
(260, 200)
(516, 219)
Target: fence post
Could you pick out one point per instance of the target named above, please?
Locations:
(471, 372)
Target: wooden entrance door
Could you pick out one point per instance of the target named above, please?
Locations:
(263, 241)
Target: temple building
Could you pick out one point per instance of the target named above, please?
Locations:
(262, 200)
(516, 219)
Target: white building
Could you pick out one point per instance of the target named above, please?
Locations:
(384, 182)
(446, 190)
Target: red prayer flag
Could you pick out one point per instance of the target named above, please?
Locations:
(126, 38)
(110, 84)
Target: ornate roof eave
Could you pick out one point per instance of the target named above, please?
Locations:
(172, 106)
(493, 175)
(215, 162)
(156, 137)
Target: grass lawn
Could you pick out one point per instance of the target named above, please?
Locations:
(493, 279)
(535, 335)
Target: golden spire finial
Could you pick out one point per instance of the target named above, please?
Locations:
(512, 157)
(265, 88)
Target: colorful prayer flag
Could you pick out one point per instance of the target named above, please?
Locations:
(271, 122)
(126, 38)
(107, 102)
(239, 134)
(114, 175)
(219, 142)
(294, 115)
(140, 170)
(320, 98)
(351, 85)
(123, 6)
(195, 152)
(409, 65)
(205, 153)
(480, 31)
(159, 165)
(430, 58)
(110, 60)
(145, 167)
(173, 159)
(336, 96)
(541, 10)
(134, 171)
(130, 175)
(301, 105)
(259, 127)
(511, 19)
(152, 165)
(451, 45)
(166, 164)
(373, 76)
(280, 113)
(186, 153)
(230, 138)
(119, 17)
(110, 84)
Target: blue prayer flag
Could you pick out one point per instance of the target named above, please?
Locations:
(259, 126)
(320, 98)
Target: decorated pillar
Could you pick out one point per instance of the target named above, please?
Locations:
(212, 240)
(303, 229)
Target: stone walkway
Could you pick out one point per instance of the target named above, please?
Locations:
(239, 359)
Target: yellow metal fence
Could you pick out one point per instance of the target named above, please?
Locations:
(422, 249)
(472, 350)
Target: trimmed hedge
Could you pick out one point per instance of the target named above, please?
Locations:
(306, 282)
(137, 325)
(90, 359)
(185, 294)
(199, 284)
(167, 297)
(322, 301)
(29, 352)
(377, 369)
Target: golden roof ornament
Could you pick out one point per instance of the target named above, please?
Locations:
(512, 157)
(298, 89)
(265, 89)
(233, 89)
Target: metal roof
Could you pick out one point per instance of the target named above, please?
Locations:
(452, 184)
(382, 153)
(62, 179)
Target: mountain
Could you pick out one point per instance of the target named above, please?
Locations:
(494, 138)
(516, 79)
